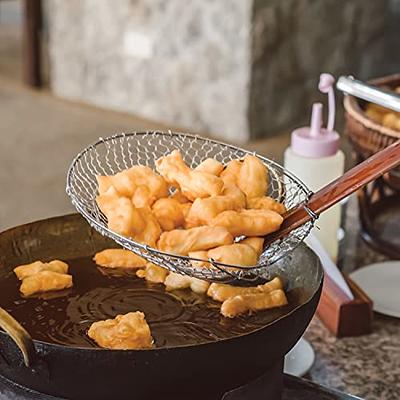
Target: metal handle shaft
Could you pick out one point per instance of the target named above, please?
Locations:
(365, 91)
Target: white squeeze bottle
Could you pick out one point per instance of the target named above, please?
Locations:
(315, 158)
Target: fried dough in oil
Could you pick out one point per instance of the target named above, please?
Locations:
(245, 303)
(23, 271)
(124, 332)
(45, 281)
(118, 258)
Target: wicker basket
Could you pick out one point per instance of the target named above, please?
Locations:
(379, 202)
(367, 136)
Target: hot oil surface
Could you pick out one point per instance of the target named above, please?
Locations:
(175, 318)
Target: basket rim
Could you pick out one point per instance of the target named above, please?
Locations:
(352, 107)
(172, 133)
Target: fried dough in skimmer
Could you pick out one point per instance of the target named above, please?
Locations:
(201, 238)
(253, 177)
(235, 254)
(248, 222)
(192, 183)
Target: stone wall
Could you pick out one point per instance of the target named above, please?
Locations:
(295, 40)
(186, 63)
(239, 69)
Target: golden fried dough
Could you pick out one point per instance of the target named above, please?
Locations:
(179, 197)
(151, 185)
(168, 213)
(242, 304)
(153, 273)
(151, 231)
(221, 292)
(392, 121)
(201, 255)
(253, 177)
(23, 271)
(185, 208)
(233, 192)
(176, 281)
(45, 281)
(383, 116)
(266, 203)
(192, 183)
(123, 217)
(124, 332)
(204, 210)
(375, 112)
(124, 183)
(142, 197)
(256, 243)
(235, 254)
(248, 222)
(104, 183)
(119, 258)
(201, 238)
(231, 172)
(211, 166)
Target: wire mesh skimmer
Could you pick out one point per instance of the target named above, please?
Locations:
(116, 153)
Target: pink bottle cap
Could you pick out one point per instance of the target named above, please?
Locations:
(314, 141)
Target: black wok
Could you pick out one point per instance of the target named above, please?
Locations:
(86, 372)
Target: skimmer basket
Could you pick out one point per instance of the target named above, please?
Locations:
(116, 153)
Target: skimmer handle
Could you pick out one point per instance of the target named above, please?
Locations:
(329, 195)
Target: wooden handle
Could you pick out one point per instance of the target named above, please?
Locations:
(351, 181)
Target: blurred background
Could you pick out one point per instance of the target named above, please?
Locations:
(243, 71)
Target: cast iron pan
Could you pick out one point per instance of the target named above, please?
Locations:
(196, 349)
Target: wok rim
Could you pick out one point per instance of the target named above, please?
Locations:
(158, 349)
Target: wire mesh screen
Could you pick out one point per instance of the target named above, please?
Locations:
(114, 154)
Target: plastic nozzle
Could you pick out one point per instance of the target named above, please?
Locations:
(316, 120)
(325, 85)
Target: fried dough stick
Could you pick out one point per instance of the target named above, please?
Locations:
(248, 222)
(221, 292)
(231, 172)
(128, 181)
(153, 273)
(201, 238)
(266, 203)
(253, 177)
(176, 281)
(119, 258)
(242, 304)
(124, 332)
(255, 242)
(23, 271)
(192, 183)
(236, 254)
(169, 213)
(211, 166)
(203, 210)
(122, 216)
(45, 281)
